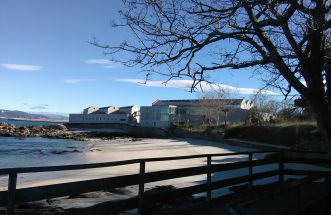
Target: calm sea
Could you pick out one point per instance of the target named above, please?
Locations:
(28, 123)
(37, 151)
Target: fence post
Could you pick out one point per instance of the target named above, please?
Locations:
(281, 167)
(250, 169)
(141, 187)
(209, 178)
(11, 193)
(299, 198)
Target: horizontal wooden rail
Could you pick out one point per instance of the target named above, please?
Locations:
(304, 172)
(243, 179)
(17, 196)
(72, 188)
(294, 186)
(6, 171)
(116, 206)
(308, 161)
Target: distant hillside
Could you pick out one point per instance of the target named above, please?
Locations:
(25, 115)
(53, 116)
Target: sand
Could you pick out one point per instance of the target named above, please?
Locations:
(128, 148)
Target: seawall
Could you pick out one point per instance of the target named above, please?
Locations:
(129, 129)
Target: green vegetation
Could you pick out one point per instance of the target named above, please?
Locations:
(283, 133)
(199, 128)
(286, 133)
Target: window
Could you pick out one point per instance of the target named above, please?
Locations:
(164, 118)
(164, 109)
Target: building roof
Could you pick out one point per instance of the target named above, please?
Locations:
(91, 107)
(126, 107)
(107, 107)
(197, 102)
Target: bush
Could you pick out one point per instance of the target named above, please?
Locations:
(282, 134)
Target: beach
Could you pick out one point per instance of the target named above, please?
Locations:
(48, 152)
(98, 151)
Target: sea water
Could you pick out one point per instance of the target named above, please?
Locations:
(37, 151)
(28, 123)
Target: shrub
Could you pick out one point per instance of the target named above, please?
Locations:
(283, 133)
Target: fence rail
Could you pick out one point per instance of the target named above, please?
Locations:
(16, 196)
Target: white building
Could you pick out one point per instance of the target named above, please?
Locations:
(106, 110)
(162, 113)
(98, 118)
(157, 116)
(133, 111)
(109, 114)
(89, 110)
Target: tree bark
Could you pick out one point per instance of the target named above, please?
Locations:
(322, 115)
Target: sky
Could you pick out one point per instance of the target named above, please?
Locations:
(47, 64)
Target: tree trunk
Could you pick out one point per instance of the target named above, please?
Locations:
(322, 115)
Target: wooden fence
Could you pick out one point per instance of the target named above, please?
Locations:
(17, 196)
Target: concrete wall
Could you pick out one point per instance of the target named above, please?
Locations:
(98, 118)
(131, 130)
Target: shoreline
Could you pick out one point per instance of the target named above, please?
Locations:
(127, 149)
(36, 120)
(124, 149)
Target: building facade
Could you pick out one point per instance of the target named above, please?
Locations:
(109, 114)
(98, 118)
(157, 116)
(163, 113)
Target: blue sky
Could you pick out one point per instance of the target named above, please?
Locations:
(47, 65)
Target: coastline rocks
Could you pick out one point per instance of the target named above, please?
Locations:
(57, 131)
(63, 132)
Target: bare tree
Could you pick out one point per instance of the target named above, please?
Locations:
(213, 105)
(264, 103)
(285, 40)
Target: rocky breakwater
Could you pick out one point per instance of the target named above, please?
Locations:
(54, 131)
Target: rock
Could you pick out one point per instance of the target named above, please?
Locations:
(95, 150)
(159, 206)
(97, 194)
(55, 131)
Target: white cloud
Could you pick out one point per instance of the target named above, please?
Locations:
(21, 67)
(186, 84)
(40, 107)
(105, 63)
(76, 81)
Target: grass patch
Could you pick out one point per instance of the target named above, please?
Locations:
(286, 133)
(199, 128)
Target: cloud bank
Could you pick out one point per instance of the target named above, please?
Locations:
(21, 67)
(40, 107)
(186, 84)
(76, 81)
(104, 63)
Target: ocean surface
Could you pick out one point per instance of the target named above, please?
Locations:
(37, 151)
(28, 123)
